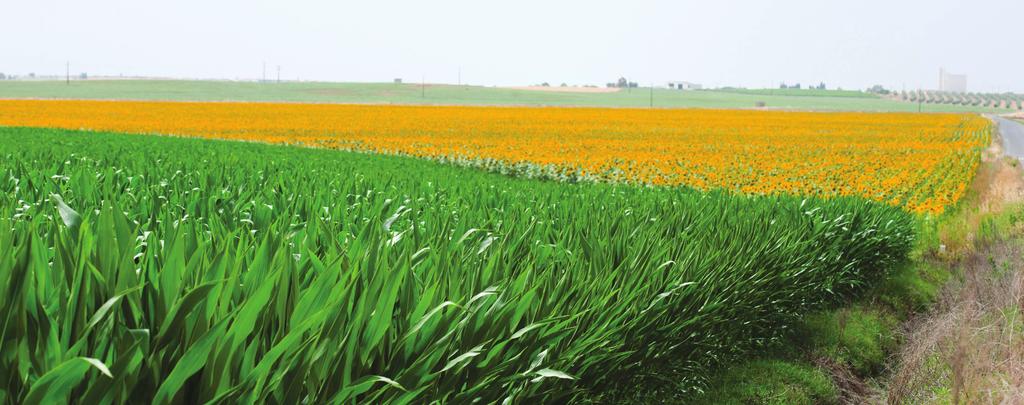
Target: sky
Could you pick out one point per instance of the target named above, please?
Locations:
(850, 44)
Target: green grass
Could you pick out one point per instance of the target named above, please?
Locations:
(185, 90)
(859, 337)
(775, 382)
(993, 227)
(911, 288)
(802, 92)
(153, 269)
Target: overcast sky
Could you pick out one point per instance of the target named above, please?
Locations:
(851, 44)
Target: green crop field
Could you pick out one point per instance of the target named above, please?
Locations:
(801, 92)
(144, 269)
(462, 95)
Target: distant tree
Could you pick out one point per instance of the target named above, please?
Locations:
(878, 89)
(3, 76)
(564, 85)
(83, 76)
(545, 84)
(634, 85)
(32, 75)
(796, 86)
(783, 86)
(622, 83)
(821, 86)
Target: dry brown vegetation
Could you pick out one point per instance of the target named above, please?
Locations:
(970, 349)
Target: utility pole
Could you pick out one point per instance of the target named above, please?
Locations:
(278, 74)
(423, 86)
(264, 77)
(652, 95)
(67, 72)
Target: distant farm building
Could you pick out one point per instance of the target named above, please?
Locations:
(684, 86)
(952, 83)
(398, 81)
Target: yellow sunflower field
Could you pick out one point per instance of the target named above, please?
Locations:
(922, 162)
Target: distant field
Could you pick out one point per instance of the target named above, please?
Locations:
(387, 93)
(801, 93)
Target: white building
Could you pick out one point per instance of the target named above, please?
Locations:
(684, 86)
(952, 83)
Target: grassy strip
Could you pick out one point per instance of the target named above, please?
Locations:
(808, 92)
(149, 269)
(389, 93)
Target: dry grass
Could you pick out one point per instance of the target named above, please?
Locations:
(971, 349)
(852, 388)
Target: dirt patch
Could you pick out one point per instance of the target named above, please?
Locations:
(999, 181)
(852, 389)
(1005, 186)
(567, 89)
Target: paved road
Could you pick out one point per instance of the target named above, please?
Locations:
(1013, 137)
